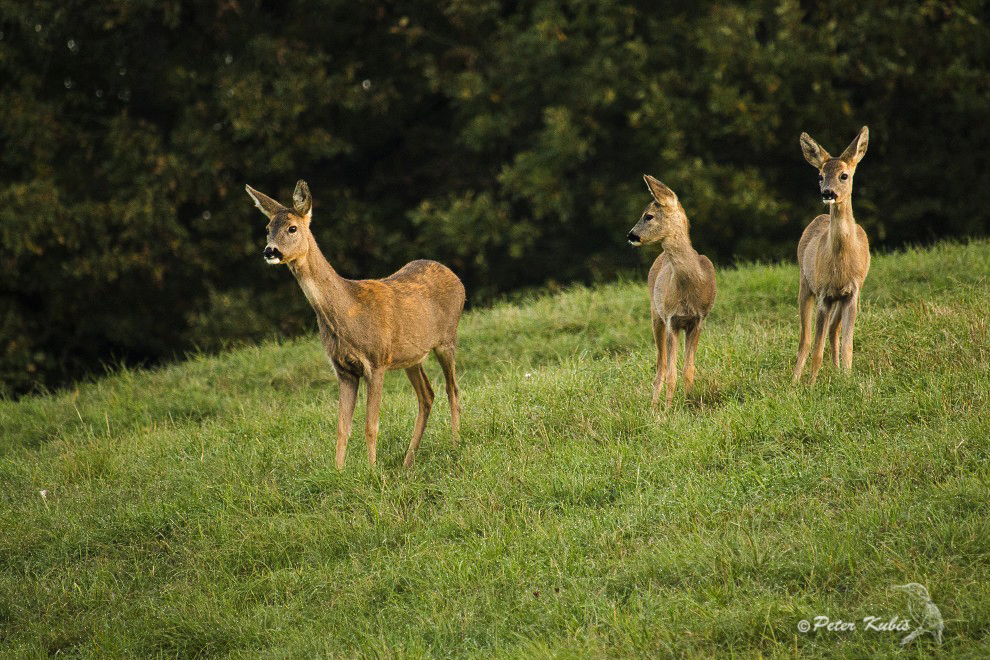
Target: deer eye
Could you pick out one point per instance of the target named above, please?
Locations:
(647, 217)
(292, 229)
(843, 176)
(821, 177)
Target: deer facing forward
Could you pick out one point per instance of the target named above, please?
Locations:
(681, 283)
(369, 327)
(833, 258)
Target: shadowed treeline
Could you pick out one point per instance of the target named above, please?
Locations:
(505, 139)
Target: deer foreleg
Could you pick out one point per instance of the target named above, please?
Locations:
(818, 354)
(345, 413)
(834, 324)
(660, 338)
(848, 328)
(375, 383)
(671, 364)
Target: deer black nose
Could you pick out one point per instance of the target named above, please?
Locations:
(272, 253)
(828, 194)
(632, 237)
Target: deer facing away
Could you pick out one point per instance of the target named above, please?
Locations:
(833, 258)
(681, 283)
(369, 327)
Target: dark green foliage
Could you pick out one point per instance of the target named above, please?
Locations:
(505, 139)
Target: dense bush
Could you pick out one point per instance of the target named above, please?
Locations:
(506, 139)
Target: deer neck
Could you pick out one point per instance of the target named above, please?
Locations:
(681, 256)
(841, 226)
(325, 290)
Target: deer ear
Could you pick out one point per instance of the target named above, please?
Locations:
(302, 201)
(265, 204)
(660, 192)
(857, 149)
(813, 152)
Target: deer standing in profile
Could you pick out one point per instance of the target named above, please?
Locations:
(833, 258)
(681, 283)
(369, 327)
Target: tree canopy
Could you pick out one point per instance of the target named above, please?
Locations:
(506, 139)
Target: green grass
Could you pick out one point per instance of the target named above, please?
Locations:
(195, 510)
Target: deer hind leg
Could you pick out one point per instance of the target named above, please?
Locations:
(691, 337)
(424, 393)
(446, 357)
(660, 338)
(345, 413)
(375, 382)
(821, 325)
(806, 305)
(834, 325)
(848, 327)
(671, 363)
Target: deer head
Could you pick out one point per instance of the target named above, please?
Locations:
(913, 589)
(835, 175)
(662, 218)
(288, 229)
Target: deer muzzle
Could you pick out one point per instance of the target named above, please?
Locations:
(272, 255)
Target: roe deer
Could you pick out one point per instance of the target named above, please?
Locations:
(833, 258)
(369, 327)
(681, 282)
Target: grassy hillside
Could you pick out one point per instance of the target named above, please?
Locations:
(195, 510)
